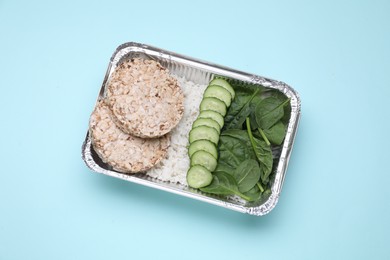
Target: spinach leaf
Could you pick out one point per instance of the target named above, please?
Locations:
(247, 174)
(236, 133)
(223, 184)
(232, 151)
(254, 194)
(257, 192)
(276, 133)
(282, 98)
(239, 109)
(223, 167)
(256, 100)
(241, 135)
(269, 111)
(263, 154)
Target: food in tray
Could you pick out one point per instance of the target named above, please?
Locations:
(222, 138)
(145, 99)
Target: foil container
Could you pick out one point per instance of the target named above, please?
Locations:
(201, 72)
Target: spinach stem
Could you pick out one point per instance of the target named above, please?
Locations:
(243, 108)
(243, 196)
(264, 137)
(260, 187)
(248, 128)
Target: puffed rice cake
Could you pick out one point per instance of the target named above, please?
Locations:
(146, 101)
(124, 152)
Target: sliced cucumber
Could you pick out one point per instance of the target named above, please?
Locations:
(220, 93)
(204, 159)
(207, 122)
(203, 145)
(204, 133)
(213, 104)
(198, 177)
(223, 83)
(213, 115)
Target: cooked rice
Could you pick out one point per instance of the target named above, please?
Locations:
(176, 164)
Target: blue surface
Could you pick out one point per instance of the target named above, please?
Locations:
(335, 199)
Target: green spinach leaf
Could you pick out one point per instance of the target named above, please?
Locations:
(257, 192)
(233, 151)
(236, 133)
(256, 100)
(223, 167)
(241, 135)
(269, 111)
(282, 98)
(223, 184)
(254, 194)
(247, 174)
(239, 109)
(263, 154)
(276, 133)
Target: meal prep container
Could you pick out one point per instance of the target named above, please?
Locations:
(201, 72)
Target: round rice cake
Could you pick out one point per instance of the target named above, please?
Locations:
(124, 152)
(146, 101)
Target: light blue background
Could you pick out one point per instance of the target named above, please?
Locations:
(335, 199)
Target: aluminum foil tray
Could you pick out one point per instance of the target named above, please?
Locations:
(201, 72)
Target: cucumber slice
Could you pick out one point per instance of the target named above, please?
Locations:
(198, 177)
(219, 92)
(223, 83)
(214, 104)
(203, 145)
(207, 122)
(204, 133)
(213, 115)
(204, 159)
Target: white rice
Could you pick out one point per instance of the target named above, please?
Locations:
(175, 166)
